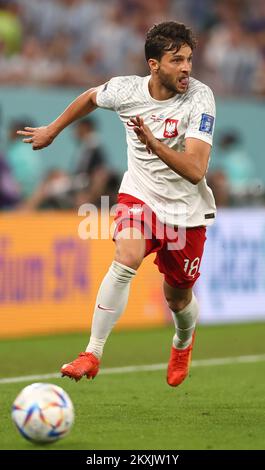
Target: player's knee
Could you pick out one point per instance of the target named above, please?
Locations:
(128, 258)
(177, 304)
(130, 252)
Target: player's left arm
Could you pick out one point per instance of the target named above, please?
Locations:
(191, 164)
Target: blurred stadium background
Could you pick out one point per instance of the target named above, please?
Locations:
(51, 51)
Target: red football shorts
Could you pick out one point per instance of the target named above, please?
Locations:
(178, 250)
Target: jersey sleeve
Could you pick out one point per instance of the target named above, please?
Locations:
(202, 117)
(109, 95)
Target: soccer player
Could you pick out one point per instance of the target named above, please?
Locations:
(169, 121)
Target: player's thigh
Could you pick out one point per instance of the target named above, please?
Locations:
(177, 298)
(130, 247)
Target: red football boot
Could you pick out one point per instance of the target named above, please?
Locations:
(179, 364)
(86, 364)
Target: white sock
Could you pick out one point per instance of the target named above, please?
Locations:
(111, 301)
(185, 322)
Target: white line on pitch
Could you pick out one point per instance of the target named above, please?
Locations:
(146, 368)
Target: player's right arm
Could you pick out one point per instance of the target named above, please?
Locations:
(41, 137)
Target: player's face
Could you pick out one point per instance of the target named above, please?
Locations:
(174, 69)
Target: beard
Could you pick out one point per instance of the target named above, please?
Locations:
(171, 84)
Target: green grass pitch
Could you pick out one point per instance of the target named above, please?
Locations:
(217, 407)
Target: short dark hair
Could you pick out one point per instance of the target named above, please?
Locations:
(167, 36)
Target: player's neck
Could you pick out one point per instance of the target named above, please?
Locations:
(158, 91)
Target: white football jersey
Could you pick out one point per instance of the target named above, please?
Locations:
(175, 200)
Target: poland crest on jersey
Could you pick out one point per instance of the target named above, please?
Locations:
(171, 128)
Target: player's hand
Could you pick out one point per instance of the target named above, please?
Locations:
(39, 137)
(144, 134)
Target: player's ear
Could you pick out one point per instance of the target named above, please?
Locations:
(154, 65)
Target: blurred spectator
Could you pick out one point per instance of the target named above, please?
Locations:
(84, 43)
(54, 192)
(256, 26)
(116, 44)
(233, 159)
(218, 182)
(10, 26)
(24, 163)
(41, 18)
(255, 23)
(91, 178)
(199, 14)
(231, 56)
(104, 183)
(91, 156)
(91, 163)
(234, 168)
(32, 65)
(9, 189)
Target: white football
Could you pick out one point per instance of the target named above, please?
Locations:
(43, 412)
